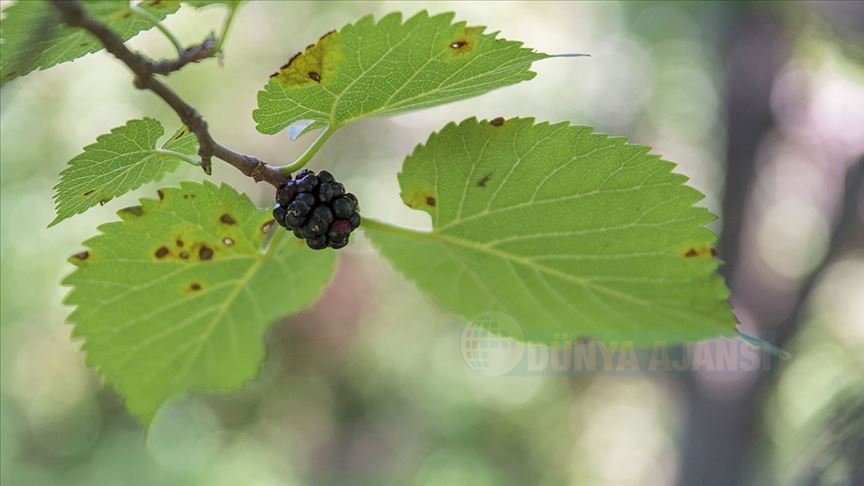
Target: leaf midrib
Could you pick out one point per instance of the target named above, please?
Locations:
(506, 256)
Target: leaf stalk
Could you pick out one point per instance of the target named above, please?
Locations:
(179, 156)
(144, 14)
(309, 153)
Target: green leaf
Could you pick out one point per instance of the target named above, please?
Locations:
(368, 69)
(564, 230)
(117, 163)
(33, 37)
(177, 297)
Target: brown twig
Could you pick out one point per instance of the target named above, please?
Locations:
(196, 53)
(145, 71)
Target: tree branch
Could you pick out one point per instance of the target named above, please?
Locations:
(145, 70)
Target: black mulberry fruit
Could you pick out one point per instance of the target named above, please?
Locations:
(316, 208)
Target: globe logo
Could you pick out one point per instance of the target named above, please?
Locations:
(492, 344)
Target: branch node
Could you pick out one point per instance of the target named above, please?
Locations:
(144, 70)
(189, 55)
(258, 173)
(206, 162)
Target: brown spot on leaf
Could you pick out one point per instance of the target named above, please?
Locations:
(266, 226)
(497, 122)
(205, 253)
(464, 43)
(227, 219)
(104, 201)
(485, 180)
(91, 191)
(227, 241)
(133, 210)
(160, 194)
(431, 201)
(700, 250)
(184, 255)
(309, 66)
(288, 64)
(83, 255)
(195, 286)
(162, 252)
(179, 242)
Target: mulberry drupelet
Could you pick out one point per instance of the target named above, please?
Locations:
(316, 208)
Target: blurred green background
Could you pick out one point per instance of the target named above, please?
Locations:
(762, 105)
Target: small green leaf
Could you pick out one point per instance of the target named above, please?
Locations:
(33, 37)
(117, 163)
(367, 69)
(564, 230)
(177, 297)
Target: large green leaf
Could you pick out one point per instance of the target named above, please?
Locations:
(177, 296)
(369, 68)
(117, 163)
(33, 37)
(564, 230)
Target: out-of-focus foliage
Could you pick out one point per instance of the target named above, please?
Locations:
(35, 38)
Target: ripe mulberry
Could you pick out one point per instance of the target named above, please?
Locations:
(317, 209)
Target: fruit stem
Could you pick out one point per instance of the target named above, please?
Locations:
(177, 155)
(144, 14)
(309, 153)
